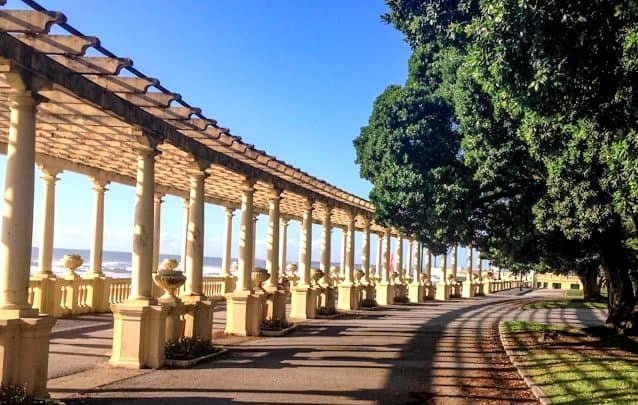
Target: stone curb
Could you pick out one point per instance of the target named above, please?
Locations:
(278, 332)
(536, 390)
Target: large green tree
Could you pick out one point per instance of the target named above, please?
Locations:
(536, 162)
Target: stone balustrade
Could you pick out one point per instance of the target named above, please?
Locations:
(61, 296)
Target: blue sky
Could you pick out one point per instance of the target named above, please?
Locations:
(296, 78)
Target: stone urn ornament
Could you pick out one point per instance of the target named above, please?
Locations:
(71, 263)
(257, 277)
(358, 275)
(395, 276)
(169, 279)
(315, 276)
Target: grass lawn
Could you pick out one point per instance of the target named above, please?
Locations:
(577, 366)
(566, 303)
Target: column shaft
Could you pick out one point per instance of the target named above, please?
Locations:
(97, 239)
(398, 256)
(416, 262)
(272, 249)
(17, 219)
(470, 253)
(455, 257)
(305, 245)
(185, 233)
(326, 241)
(45, 259)
(410, 257)
(444, 266)
(246, 237)
(350, 251)
(379, 262)
(141, 281)
(283, 251)
(157, 220)
(386, 257)
(195, 237)
(428, 265)
(344, 247)
(228, 241)
(365, 250)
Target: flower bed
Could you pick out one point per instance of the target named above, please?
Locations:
(187, 351)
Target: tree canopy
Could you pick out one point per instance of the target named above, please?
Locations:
(515, 130)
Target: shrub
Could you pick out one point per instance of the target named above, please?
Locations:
(14, 395)
(402, 299)
(187, 348)
(275, 324)
(326, 311)
(369, 303)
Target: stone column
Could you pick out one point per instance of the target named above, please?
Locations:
(408, 272)
(326, 241)
(347, 299)
(455, 256)
(185, 234)
(157, 220)
(379, 262)
(443, 287)
(398, 257)
(468, 285)
(272, 249)
(25, 342)
(303, 299)
(17, 220)
(246, 237)
(365, 250)
(385, 289)
(429, 286)
(97, 239)
(228, 241)
(141, 277)
(283, 251)
(416, 288)
(244, 312)
(255, 219)
(45, 257)
(195, 238)
(344, 254)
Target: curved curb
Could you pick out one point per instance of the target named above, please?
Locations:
(536, 390)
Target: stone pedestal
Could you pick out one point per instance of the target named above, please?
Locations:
(139, 334)
(347, 298)
(329, 298)
(244, 314)
(46, 297)
(24, 353)
(198, 319)
(442, 291)
(467, 290)
(415, 292)
(385, 293)
(428, 290)
(98, 292)
(303, 302)
(276, 304)
(370, 291)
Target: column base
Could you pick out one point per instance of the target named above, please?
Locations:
(385, 293)
(244, 314)
(467, 290)
(303, 302)
(346, 297)
(415, 292)
(139, 334)
(370, 292)
(276, 304)
(329, 298)
(24, 353)
(442, 292)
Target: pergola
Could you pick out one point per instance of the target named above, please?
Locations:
(68, 103)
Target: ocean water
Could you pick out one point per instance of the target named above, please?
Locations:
(119, 264)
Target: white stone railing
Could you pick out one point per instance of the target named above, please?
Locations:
(119, 290)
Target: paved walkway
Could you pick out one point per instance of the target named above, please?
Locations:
(447, 353)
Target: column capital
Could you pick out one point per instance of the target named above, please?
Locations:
(229, 211)
(284, 221)
(275, 193)
(50, 173)
(159, 198)
(22, 98)
(145, 142)
(248, 184)
(308, 203)
(100, 183)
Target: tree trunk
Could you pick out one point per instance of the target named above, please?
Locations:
(621, 301)
(589, 277)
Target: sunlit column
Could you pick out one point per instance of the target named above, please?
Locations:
(305, 243)
(344, 246)
(428, 265)
(185, 233)
(141, 281)
(379, 262)
(386, 257)
(455, 256)
(283, 251)
(326, 241)
(350, 250)
(480, 265)
(408, 272)
(195, 238)
(272, 249)
(228, 241)
(157, 220)
(398, 256)
(444, 266)
(97, 239)
(246, 236)
(365, 249)
(416, 262)
(17, 219)
(254, 254)
(470, 254)
(45, 259)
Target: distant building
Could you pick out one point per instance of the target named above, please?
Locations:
(557, 282)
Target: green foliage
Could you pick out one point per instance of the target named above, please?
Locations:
(14, 395)
(275, 324)
(188, 348)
